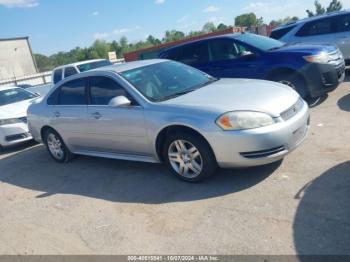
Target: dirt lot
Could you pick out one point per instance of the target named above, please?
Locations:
(101, 206)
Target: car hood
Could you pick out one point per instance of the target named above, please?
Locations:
(15, 110)
(239, 94)
(308, 48)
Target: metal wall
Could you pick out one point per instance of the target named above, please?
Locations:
(16, 58)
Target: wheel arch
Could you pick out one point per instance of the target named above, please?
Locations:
(165, 131)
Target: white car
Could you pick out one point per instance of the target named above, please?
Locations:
(65, 71)
(14, 102)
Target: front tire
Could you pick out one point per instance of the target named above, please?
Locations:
(189, 157)
(294, 81)
(56, 146)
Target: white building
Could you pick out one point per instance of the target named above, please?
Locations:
(16, 58)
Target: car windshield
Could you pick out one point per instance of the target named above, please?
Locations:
(261, 42)
(166, 80)
(14, 95)
(93, 65)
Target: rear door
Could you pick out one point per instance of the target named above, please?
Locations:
(196, 55)
(69, 114)
(343, 35)
(231, 59)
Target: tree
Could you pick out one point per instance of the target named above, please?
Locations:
(153, 41)
(43, 62)
(173, 35)
(246, 20)
(222, 26)
(283, 21)
(334, 6)
(209, 28)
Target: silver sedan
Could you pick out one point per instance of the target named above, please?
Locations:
(164, 111)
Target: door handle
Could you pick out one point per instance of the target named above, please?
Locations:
(57, 114)
(96, 115)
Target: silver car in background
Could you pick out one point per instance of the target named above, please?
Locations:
(165, 111)
(333, 28)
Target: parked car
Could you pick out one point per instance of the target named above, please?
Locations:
(311, 70)
(332, 28)
(165, 111)
(62, 72)
(14, 102)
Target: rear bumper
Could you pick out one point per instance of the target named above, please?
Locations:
(260, 146)
(14, 134)
(322, 78)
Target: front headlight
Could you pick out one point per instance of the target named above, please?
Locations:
(322, 58)
(240, 120)
(11, 121)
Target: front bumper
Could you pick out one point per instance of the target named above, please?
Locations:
(14, 134)
(260, 146)
(323, 78)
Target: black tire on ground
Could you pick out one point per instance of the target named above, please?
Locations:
(296, 82)
(66, 154)
(206, 155)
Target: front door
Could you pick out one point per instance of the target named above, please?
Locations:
(115, 129)
(230, 59)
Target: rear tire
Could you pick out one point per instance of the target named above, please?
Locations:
(294, 81)
(189, 157)
(56, 146)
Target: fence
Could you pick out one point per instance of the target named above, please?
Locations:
(34, 80)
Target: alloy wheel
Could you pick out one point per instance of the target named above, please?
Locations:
(185, 158)
(55, 146)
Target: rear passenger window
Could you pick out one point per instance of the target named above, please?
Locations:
(319, 27)
(103, 89)
(343, 23)
(57, 76)
(194, 53)
(73, 92)
(69, 71)
(279, 33)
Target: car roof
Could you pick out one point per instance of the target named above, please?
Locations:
(119, 68)
(310, 19)
(234, 36)
(79, 63)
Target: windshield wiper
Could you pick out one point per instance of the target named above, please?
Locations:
(179, 94)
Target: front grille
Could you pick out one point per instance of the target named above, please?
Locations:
(264, 153)
(337, 60)
(293, 110)
(16, 137)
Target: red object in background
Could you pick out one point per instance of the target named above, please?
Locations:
(135, 55)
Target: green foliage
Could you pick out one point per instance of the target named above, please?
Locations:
(333, 6)
(284, 21)
(209, 28)
(246, 20)
(100, 48)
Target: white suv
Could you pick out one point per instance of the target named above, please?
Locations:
(65, 71)
(333, 28)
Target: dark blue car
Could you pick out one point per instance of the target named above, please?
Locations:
(312, 70)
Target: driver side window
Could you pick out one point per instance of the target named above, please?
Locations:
(225, 49)
(103, 89)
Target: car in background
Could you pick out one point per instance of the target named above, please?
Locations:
(14, 102)
(165, 111)
(333, 28)
(311, 70)
(65, 71)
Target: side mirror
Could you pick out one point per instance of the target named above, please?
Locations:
(119, 101)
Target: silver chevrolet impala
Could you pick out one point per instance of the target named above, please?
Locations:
(164, 111)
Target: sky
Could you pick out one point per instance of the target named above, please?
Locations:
(61, 25)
